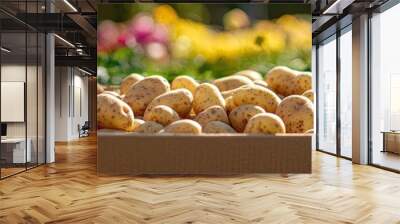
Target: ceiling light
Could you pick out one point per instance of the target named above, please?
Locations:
(70, 5)
(84, 71)
(5, 50)
(64, 40)
(337, 7)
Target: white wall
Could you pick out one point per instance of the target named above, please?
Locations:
(61, 104)
(71, 94)
(33, 127)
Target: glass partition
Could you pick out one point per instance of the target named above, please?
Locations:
(15, 150)
(327, 96)
(31, 97)
(346, 93)
(385, 89)
(41, 97)
(22, 91)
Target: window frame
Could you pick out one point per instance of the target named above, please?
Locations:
(378, 10)
(333, 37)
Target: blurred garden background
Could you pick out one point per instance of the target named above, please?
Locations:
(206, 41)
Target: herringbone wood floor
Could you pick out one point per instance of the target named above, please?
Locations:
(69, 191)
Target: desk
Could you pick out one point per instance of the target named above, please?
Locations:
(13, 150)
(391, 141)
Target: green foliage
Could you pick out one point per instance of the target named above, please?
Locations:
(125, 61)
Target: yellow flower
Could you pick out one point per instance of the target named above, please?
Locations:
(194, 39)
(164, 14)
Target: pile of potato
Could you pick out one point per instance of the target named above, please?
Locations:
(241, 103)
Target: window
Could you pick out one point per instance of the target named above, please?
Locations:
(327, 96)
(346, 92)
(385, 88)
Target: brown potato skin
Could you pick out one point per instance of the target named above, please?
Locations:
(113, 113)
(143, 92)
(100, 89)
(184, 126)
(205, 96)
(285, 81)
(229, 104)
(213, 113)
(262, 83)
(309, 94)
(282, 80)
(112, 93)
(180, 100)
(129, 81)
(303, 82)
(250, 74)
(257, 95)
(136, 124)
(217, 127)
(149, 127)
(231, 82)
(161, 114)
(297, 113)
(185, 82)
(242, 114)
(265, 123)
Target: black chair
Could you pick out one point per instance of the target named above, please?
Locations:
(84, 130)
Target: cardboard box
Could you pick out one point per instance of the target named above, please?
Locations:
(135, 154)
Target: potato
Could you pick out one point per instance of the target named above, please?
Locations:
(242, 114)
(114, 113)
(185, 82)
(282, 80)
(217, 127)
(100, 89)
(184, 126)
(265, 123)
(191, 115)
(309, 94)
(261, 83)
(213, 113)
(205, 96)
(129, 81)
(311, 131)
(144, 91)
(136, 123)
(250, 74)
(112, 93)
(229, 104)
(286, 81)
(228, 93)
(112, 131)
(149, 127)
(297, 113)
(256, 95)
(180, 100)
(231, 82)
(161, 114)
(303, 82)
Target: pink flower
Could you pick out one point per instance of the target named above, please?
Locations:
(127, 39)
(160, 34)
(107, 36)
(142, 28)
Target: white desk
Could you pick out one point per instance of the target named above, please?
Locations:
(16, 148)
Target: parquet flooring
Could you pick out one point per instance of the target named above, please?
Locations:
(69, 191)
